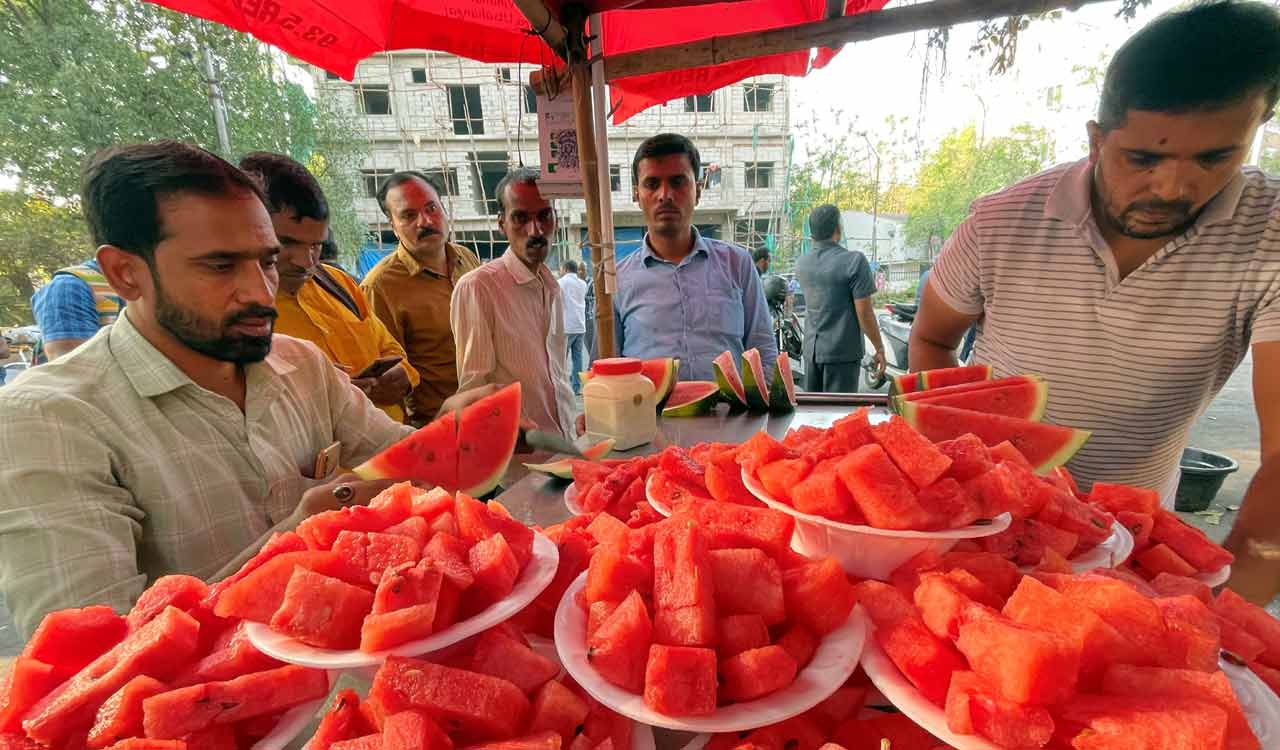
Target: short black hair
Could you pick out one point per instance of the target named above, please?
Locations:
(569, 265)
(824, 222)
(517, 176)
(400, 178)
(287, 184)
(759, 254)
(1204, 57)
(122, 187)
(666, 144)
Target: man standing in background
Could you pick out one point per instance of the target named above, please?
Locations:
(574, 292)
(837, 286)
(75, 303)
(410, 289)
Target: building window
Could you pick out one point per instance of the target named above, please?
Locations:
(757, 97)
(329, 75)
(699, 103)
(711, 176)
(418, 75)
(505, 74)
(465, 110)
(615, 178)
(759, 174)
(445, 177)
(530, 100)
(753, 233)
(374, 100)
(373, 180)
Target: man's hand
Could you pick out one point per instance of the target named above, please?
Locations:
(880, 363)
(463, 399)
(345, 491)
(391, 388)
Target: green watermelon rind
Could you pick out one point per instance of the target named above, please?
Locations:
(562, 469)
(1063, 454)
(670, 376)
(696, 407)
(782, 389)
(897, 403)
(722, 365)
(753, 380)
(599, 451)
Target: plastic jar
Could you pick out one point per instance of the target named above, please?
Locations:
(618, 403)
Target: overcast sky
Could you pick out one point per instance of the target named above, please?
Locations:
(880, 78)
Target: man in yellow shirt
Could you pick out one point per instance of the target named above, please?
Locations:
(320, 303)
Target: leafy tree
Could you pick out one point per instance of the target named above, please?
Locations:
(79, 75)
(961, 169)
(37, 237)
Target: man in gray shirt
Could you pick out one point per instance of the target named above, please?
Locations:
(837, 286)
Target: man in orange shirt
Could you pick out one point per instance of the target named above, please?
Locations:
(320, 303)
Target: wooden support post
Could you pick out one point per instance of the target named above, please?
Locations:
(575, 19)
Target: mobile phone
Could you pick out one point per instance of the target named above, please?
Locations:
(379, 367)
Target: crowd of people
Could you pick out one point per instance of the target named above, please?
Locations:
(206, 362)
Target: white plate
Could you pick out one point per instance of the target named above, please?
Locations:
(657, 504)
(293, 722)
(1260, 705)
(535, 577)
(571, 500)
(832, 664)
(1112, 552)
(865, 551)
(1216, 578)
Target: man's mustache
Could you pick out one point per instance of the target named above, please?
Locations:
(536, 242)
(1174, 207)
(426, 232)
(252, 312)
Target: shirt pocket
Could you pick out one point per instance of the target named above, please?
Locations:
(724, 312)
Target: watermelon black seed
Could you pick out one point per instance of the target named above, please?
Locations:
(983, 522)
(791, 744)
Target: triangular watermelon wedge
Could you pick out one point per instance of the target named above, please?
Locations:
(728, 380)
(930, 379)
(782, 390)
(665, 373)
(753, 380)
(1046, 446)
(468, 454)
(1021, 396)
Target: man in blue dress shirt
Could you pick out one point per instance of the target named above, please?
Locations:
(681, 294)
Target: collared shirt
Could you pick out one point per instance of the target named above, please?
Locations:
(509, 327)
(353, 342)
(832, 277)
(67, 309)
(119, 469)
(1136, 360)
(574, 292)
(413, 303)
(710, 302)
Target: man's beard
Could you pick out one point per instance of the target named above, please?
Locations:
(211, 340)
(1180, 214)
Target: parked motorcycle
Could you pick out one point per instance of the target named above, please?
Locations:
(895, 322)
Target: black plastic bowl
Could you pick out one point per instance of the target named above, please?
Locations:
(1203, 473)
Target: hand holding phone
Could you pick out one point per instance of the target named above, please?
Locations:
(379, 367)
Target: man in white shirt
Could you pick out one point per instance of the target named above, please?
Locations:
(506, 315)
(574, 291)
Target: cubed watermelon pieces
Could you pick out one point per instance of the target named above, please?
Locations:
(755, 673)
(321, 611)
(178, 713)
(680, 680)
(467, 705)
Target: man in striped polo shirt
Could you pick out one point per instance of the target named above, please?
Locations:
(1136, 280)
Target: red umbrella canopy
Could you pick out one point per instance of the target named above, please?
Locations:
(337, 34)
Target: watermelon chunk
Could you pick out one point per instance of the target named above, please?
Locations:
(1267, 675)
(499, 655)
(368, 554)
(477, 521)
(612, 575)
(818, 595)
(779, 477)
(1035, 605)
(1023, 664)
(433, 503)
(558, 709)
(408, 585)
(1135, 616)
(547, 740)
(680, 680)
(747, 581)
(321, 611)
(1171, 585)
(231, 656)
(973, 707)
(995, 571)
(948, 376)
(761, 449)
(467, 705)
(414, 527)
(158, 648)
(946, 500)
(69, 639)
(343, 721)
(907, 383)
(924, 659)
(449, 554)
(1118, 498)
(914, 455)
(183, 592)
(607, 530)
(944, 606)
(881, 492)
(145, 743)
(619, 647)
(368, 742)
(756, 673)
(1113, 722)
(1254, 620)
(822, 493)
(120, 717)
(800, 643)
(494, 566)
(1139, 525)
(1189, 543)
(738, 633)
(390, 507)
(412, 730)
(683, 588)
(1044, 445)
(22, 686)
(1124, 679)
(1026, 540)
(178, 713)
(1158, 558)
(969, 457)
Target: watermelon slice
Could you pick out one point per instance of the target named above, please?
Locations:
(782, 390)
(753, 380)
(728, 380)
(930, 379)
(1025, 398)
(469, 454)
(563, 469)
(909, 383)
(664, 372)
(691, 398)
(1046, 446)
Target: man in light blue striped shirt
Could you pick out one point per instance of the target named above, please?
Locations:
(681, 294)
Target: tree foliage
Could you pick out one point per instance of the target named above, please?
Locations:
(79, 75)
(963, 168)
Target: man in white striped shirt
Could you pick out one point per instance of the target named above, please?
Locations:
(508, 315)
(1136, 280)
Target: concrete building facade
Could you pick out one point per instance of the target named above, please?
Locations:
(467, 122)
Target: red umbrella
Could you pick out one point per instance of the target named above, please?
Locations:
(337, 34)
